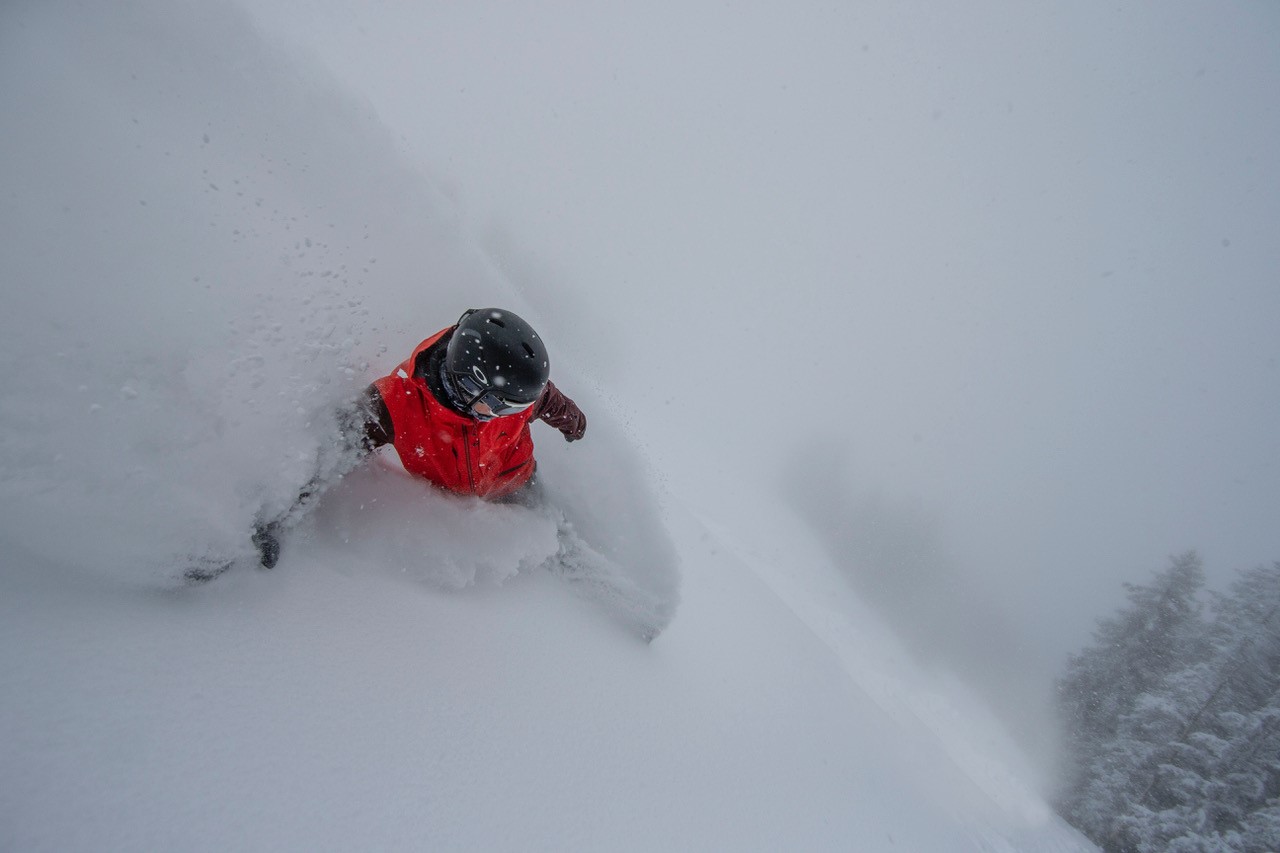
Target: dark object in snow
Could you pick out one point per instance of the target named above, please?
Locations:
(266, 538)
(205, 569)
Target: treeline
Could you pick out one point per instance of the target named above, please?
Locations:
(1172, 717)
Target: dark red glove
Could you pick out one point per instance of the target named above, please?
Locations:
(561, 412)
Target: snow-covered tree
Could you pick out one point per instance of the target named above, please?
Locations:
(1246, 635)
(1132, 654)
(1193, 762)
(1261, 829)
(1231, 744)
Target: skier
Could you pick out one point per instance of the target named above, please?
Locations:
(457, 412)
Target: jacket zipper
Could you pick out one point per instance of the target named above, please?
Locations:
(516, 468)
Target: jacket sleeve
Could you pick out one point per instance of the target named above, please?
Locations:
(365, 422)
(560, 412)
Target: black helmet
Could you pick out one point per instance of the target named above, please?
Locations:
(496, 358)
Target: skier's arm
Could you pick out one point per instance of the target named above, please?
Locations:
(365, 423)
(363, 426)
(559, 411)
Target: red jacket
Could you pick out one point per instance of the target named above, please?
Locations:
(489, 459)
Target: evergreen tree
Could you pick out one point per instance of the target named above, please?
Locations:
(1240, 718)
(1224, 765)
(1261, 830)
(1132, 655)
(1193, 762)
(1246, 634)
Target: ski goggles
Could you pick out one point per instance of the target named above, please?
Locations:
(474, 393)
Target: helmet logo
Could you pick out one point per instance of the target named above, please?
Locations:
(479, 375)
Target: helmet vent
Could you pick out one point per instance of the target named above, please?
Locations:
(528, 349)
(495, 321)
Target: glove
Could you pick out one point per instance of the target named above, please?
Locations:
(562, 413)
(577, 431)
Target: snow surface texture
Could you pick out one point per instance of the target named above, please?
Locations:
(205, 248)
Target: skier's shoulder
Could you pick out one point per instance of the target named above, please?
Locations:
(415, 365)
(434, 343)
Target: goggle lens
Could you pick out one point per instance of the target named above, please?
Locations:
(475, 393)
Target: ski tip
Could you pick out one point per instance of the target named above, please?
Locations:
(266, 538)
(203, 571)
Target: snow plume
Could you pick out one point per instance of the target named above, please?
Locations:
(194, 275)
(229, 251)
(182, 299)
(382, 518)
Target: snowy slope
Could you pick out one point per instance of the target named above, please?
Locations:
(206, 247)
(333, 705)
